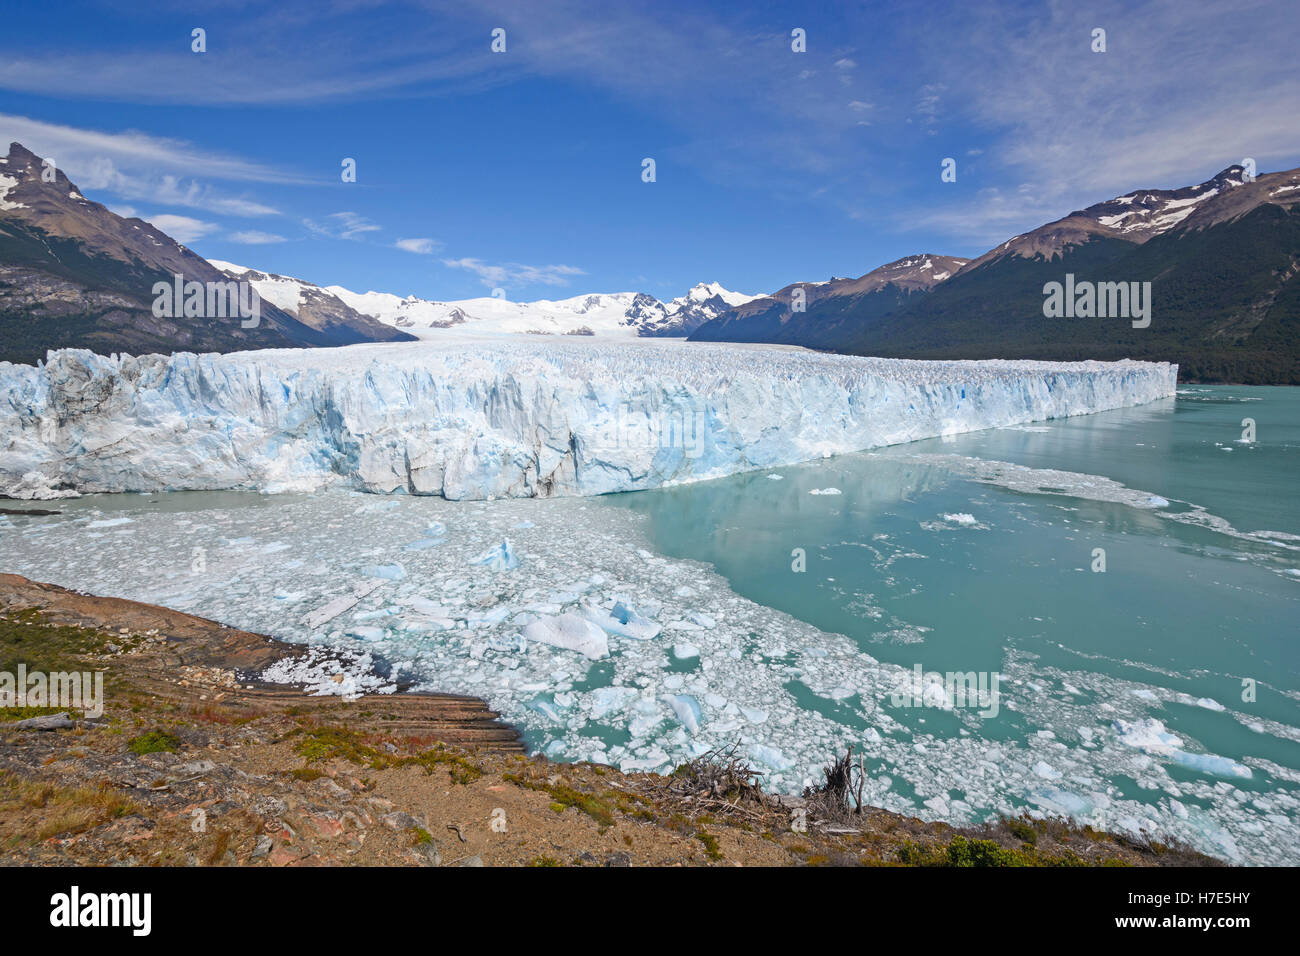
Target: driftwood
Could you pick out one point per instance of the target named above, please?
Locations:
(52, 722)
(841, 795)
(719, 782)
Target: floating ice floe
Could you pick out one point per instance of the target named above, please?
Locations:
(571, 632)
(500, 558)
(623, 621)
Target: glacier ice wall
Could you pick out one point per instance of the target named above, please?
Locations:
(513, 418)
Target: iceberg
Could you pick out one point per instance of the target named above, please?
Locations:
(470, 419)
(500, 558)
(623, 621)
(571, 632)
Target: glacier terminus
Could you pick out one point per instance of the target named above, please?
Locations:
(503, 417)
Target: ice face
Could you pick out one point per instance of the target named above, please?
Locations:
(484, 419)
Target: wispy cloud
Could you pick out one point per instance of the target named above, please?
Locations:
(515, 273)
(136, 166)
(183, 228)
(424, 247)
(1181, 92)
(340, 51)
(73, 146)
(342, 225)
(253, 237)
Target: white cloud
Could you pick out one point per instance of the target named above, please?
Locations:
(1181, 93)
(182, 228)
(422, 247)
(343, 225)
(72, 147)
(253, 237)
(515, 273)
(136, 166)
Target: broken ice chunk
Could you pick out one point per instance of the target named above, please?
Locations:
(500, 558)
(687, 710)
(702, 619)
(389, 572)
(610, 700)
(622, 620)
(771, 757)
(571, 632)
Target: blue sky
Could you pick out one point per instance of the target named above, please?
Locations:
(522, 169)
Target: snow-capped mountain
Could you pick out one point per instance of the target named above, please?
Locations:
(75, 274)
(310, 304)
(628, 314)
(1144, 214)
(1222, 259)
(684, 314)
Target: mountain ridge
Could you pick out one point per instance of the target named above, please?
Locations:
(74, 274)
(597, 313)
(1221, 256)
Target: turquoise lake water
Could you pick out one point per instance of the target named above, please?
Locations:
(1200, 592)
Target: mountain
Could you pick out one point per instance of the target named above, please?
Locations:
(75, 275)
(1222, 258)
(314, 307)
(684, 314)
(775, 318)
(612, 313)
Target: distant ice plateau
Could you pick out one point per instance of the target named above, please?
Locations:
(477, 418)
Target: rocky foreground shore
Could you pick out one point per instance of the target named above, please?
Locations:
(193, 763)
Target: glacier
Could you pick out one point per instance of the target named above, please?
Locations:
(479, 418)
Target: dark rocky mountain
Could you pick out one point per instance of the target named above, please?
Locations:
(75, 275)
(1222, 257)
(777, 318)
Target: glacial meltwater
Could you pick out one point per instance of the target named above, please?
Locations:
(1119, 593)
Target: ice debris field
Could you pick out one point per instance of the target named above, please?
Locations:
(504, 418)
(559, 615)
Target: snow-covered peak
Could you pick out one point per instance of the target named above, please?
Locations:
(625, 314)
(703, 291)
(229, 267)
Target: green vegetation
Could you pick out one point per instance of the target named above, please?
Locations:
(962, 851)
(329, 743)
(155, 741)
(710, 844)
